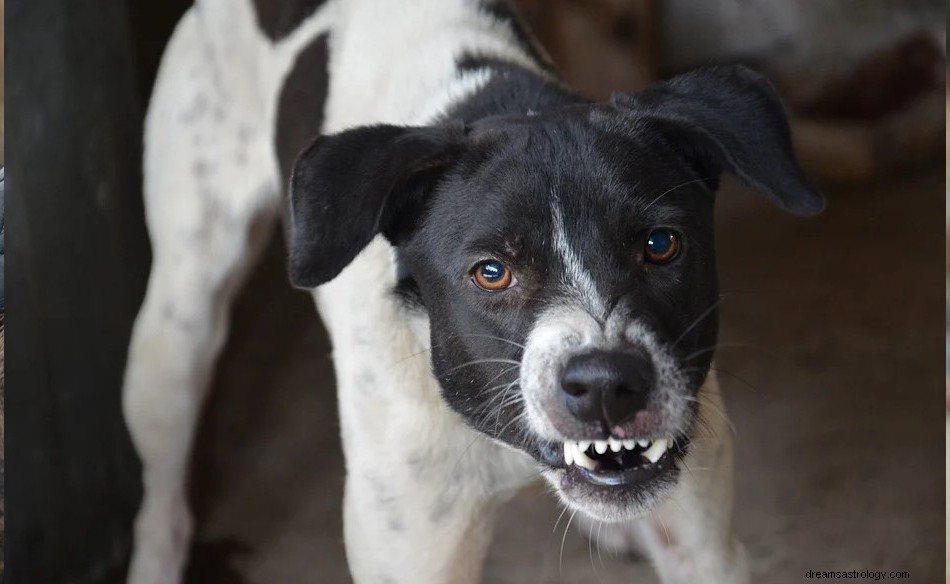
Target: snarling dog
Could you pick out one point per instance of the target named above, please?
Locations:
(517, 282)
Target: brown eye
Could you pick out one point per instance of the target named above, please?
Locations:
(492, 275)
(662, 246)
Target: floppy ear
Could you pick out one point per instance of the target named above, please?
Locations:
(348, 187)
(729, 119)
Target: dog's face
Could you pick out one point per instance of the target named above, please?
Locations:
(564, 262)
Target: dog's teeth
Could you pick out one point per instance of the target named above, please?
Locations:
(583, 445)
(629, 444)
(643, 443)
(615, 445)
(568, 453)
(656, 450)
(600, 446)
(581, 459)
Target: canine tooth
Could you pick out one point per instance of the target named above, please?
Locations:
(615, 445)
(583, 445)
(581, 459)
(629, 444)
(643, 443)
(568, 453)
(656, 451)
(600, 446)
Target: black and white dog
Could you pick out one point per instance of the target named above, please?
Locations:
(517, 281)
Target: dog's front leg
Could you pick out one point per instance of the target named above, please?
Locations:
(421, 511)
(421, 490)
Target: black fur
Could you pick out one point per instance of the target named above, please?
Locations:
(278, 18)
(729, 119)
(301, 103)
(479, 185)
(346, 189)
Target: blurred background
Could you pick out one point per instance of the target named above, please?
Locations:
(831, 356)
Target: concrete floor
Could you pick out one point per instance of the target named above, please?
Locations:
(838, 409)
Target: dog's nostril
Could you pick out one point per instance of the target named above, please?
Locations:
(573, 385)
(610, 386)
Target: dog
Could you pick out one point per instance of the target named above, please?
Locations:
(518, 283)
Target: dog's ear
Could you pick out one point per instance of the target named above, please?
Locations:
(348, 187)
(729, 119)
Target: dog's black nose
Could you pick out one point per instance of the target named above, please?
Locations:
(607, 385)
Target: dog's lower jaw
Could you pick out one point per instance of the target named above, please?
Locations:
(686, 530)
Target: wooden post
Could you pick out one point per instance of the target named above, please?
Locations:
(76, 269)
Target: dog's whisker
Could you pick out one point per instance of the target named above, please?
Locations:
(729, 345)
(504, 384)
(501, 409)
(560, 562)
(688, 469)
(732, 375)
(505, 402)
(422, 352)
(600, 527)
(464, 452)
(482, 362)
(699, 319)
(499, 386)
(515, 419)
(714, 407)
(668, 191)
(504, 406)
(455, 336)
(563, 511)
(590, 551)
(504, 340)
(666, 529)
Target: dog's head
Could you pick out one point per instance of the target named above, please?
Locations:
(564, 261)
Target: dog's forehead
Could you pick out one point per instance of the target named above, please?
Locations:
(554, 193)
(535, 173)
(526, 167)
(568, 130)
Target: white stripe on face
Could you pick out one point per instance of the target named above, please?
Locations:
(577, 275)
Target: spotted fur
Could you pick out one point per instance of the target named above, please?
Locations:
(427, 105)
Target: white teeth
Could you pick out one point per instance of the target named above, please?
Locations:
(574, 452)
(655, 452)
(581, 459)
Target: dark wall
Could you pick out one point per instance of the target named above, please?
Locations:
(77, 264)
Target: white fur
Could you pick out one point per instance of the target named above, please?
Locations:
(688, 536)
(577, 274)
(566, 331)
(421, 486)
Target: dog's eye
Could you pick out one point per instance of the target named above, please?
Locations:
(662, 246)
(492, 275)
